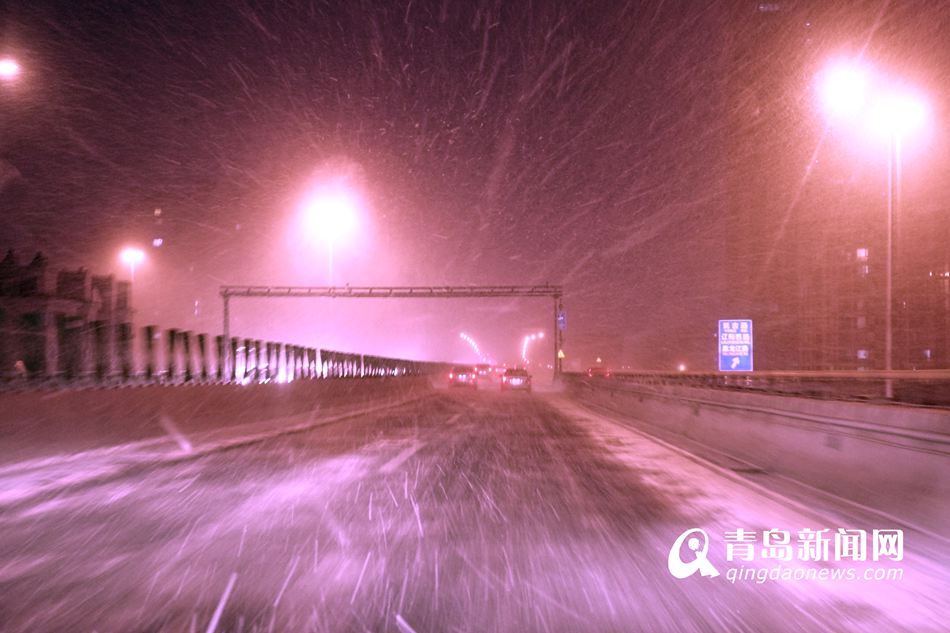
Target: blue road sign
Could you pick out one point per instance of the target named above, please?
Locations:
(562, 320)
(735, 345)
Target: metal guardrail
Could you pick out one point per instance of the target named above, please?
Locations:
(925, 387)
(177, 357)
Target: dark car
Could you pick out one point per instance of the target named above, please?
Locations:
(463, 376)
(484, 371)
(516, 379)
(598, 372)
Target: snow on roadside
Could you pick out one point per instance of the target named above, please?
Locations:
(37, 479)
(720, 501)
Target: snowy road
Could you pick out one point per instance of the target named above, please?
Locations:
(467, 512)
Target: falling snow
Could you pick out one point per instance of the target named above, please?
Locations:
(614, 149)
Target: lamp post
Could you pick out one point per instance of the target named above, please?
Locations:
(895, 115)
(9, 69)
(328, 216)
(131, 256)
(847, 95)
(468, 339)
(524, 345)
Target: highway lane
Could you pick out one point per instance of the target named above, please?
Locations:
(472, 512)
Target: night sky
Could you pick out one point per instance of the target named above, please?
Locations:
(601, 145)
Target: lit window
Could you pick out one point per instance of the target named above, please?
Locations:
(862, 254)
(928, 354)
(863, 354)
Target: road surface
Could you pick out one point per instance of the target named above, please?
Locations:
(463, 512)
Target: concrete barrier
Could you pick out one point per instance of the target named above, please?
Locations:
(39, 424)
(893, 458)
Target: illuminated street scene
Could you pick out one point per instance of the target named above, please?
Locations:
(430, 316)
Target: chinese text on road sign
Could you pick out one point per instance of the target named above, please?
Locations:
(735, 345)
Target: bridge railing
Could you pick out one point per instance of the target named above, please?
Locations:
(925, 387)
(174, 356)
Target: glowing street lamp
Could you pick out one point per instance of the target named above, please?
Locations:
(847, 95)
(844, 90)
(9, 69)
(850, 94)
(131, 257)
(468, 339)
(895, 116)
(330, 216)
(524, 345)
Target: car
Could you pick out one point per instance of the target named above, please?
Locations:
(516, 379)
(598, 371)
(463, 376)
(484, 371)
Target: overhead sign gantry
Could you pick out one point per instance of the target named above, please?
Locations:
(404, 292)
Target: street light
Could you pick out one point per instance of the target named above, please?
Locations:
(524, 345)
(844, 89)
(896, 115)
(328, 216)
(846, 94)
(131, 257)
(468, 339)
(9, 69)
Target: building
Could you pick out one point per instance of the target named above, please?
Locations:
(67, 325)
